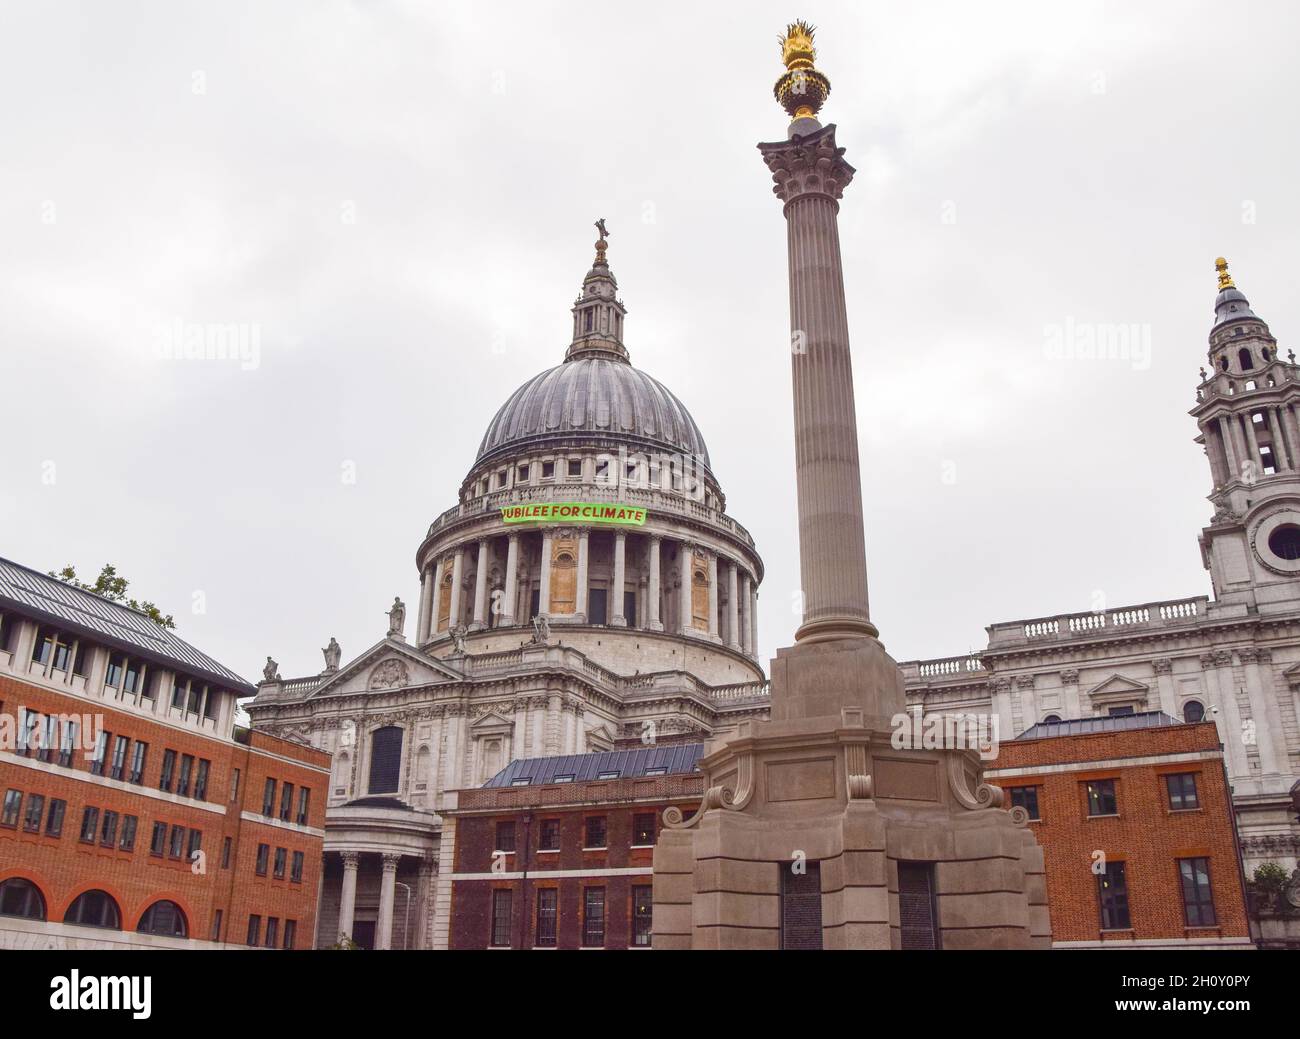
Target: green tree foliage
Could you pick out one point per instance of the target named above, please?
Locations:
(112, 586)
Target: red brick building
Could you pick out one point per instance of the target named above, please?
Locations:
(1134, 815)
(132, 811)
(555, 853)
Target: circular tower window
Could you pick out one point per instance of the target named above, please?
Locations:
(1284, 542)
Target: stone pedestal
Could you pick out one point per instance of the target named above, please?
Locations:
(836, 794)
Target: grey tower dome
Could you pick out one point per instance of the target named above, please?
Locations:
(594, 394)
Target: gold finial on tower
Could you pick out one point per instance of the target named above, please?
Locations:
(802, 90)
(1225, 279)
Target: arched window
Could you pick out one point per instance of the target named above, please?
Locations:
(19, 897)
(1193, 711)
(386, 760)
(164, 918)
(423, 764)
(1244, 359)
(1052, 719)
(342, 770)
(94, 909)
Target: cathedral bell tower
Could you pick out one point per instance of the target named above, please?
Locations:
(1246, 408)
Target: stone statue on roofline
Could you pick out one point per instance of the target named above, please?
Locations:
(397, 619)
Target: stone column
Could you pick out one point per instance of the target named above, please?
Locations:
(652, 590)
(746, 604)
(457, 576)
(753, 619)
(426, 604)
(1234, 459)
(684, 557)
(733, 605)
(1221, 692)
(620, 579)
(584, 549)
(1269, 736)
(425, 902)
(1280, 459)
(554, 738)
(481, 586)
(348, 899)
(1253, 444)
(1214, 451)
(1292, 431)
(436, 603)
(544, 599)
(387, 888)
(713, 594)
(511, 593)
(810, 175)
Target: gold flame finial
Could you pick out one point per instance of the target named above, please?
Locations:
(801, 90)
(797, 50)
(1225, 279)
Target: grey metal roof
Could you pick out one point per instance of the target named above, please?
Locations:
(1108, 723)
(675, 759)
(72, 609)
(1232, 305)
(594, 395)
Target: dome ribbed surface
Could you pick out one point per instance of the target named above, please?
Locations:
(593, 396)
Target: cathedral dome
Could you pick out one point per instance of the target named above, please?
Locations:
(594, 394)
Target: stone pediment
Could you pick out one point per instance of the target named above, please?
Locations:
(1119, 689)
(1292, 675)
(491, 722)
(601, 737)
(387, 665)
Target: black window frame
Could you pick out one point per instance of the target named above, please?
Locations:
(601, 823)
(499, 934)
(1112, 897)
(642, 916)
(1198, 911)
(547, 926)
(1101, 794)
(640, 830)
(594, 918)
(1182, 799)
(1025, 797)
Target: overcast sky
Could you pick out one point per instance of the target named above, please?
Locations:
(397, 199)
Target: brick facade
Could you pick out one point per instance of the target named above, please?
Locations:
(1144, 833)
(63, 867)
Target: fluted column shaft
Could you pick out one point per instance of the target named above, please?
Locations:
(387, 889)
(457, 576)
(511, 593)
(620, 578)
(584, 548)
(544, 598)
(652, 591)
(348, 897)
(684, 555)
(480, 585)
(810, 174)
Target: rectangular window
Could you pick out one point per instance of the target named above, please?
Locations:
(643, 829)
(268, 799)
(522, 475)
(281, 856)
(108, 831)
(304, 804)
(642, 914)
(201, 780)
(178, 692)
(286, 802)
(272, 931)
(210, 704)
(195, 846)
(113, 676)
(501, 905)
(575, 467)
(505, 836)
(139, 754)
(13, 804)
(1112, 893)
(547, 903)
(216, 925)
(54, 821)
(89, 824)
(1025, 797)
(176, 845)
(295, 870)
(234, 785)
(1181, 788)
(195, 701)
(168, 770)
(225, 853)
(118, 768)
(593, 917)
(129, 825)
(1101, 797)
(595, 835)
(290, 933)
(263, 859)
(100, 753)
(158, 843)
(548, 470)
(48, 738)
(35, 813)
(548, 839)
(185, 775)
(1198, 900)
(254, 929)
(68, 745)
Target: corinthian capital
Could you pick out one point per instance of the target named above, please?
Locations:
(810, 165)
